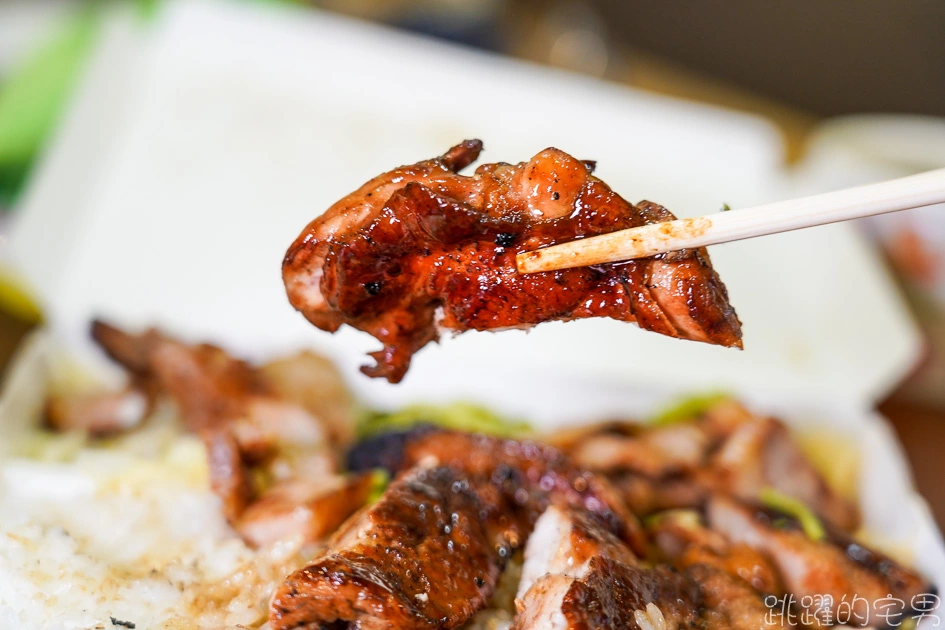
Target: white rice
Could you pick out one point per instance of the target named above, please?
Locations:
(131, 532)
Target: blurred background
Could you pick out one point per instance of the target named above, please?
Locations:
(854, 91)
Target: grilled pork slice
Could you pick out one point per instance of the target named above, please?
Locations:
(314, 383)
(729, 602)
(422, 249)
(654, 452)
(505, 485)
(735, 580)
(310, 508)
(683, 540)
(421, 557)
(613, 595)
(761, 453)
(564, 541)
(832, 580)
(528, 477)
(590, 580)
(647, 495)
(726, 450)
(230, 479)
(98, 414)
(559, 551)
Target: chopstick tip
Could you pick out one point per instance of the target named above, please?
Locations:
(527, 262)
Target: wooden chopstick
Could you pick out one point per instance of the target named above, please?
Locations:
(924, 189)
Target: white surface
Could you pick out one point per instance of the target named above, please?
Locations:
(853, 150)
(191, 160)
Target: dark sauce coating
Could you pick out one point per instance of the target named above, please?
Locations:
(400, 564)
(421, 557)
(421, 249)
(519, 479)
(612, 594)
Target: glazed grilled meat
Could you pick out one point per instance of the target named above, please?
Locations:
(730, 603)
(733, 579)
(422, 249)
(508, 485)
(617, 596)
(577, 576)
(527, 475)
(564, 541)
(559, 553)
(726, 450)
(683, 540)
(421, 557)
(310, 507)
(210, 387)
(823, 575)
(286, 398)
(762, 454)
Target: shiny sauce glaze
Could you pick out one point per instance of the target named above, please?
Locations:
(422, 249)
(421, 557)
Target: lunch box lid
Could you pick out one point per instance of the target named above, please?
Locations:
(197, 149)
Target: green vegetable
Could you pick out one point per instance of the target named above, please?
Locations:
(379, 482)
(458, 416)
(777, 500)
(147, 9)
(688, 519)
(688, 409)
(33, 96)
(725, 207)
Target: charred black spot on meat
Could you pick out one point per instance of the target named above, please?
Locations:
(384, 450)
(505, 239)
